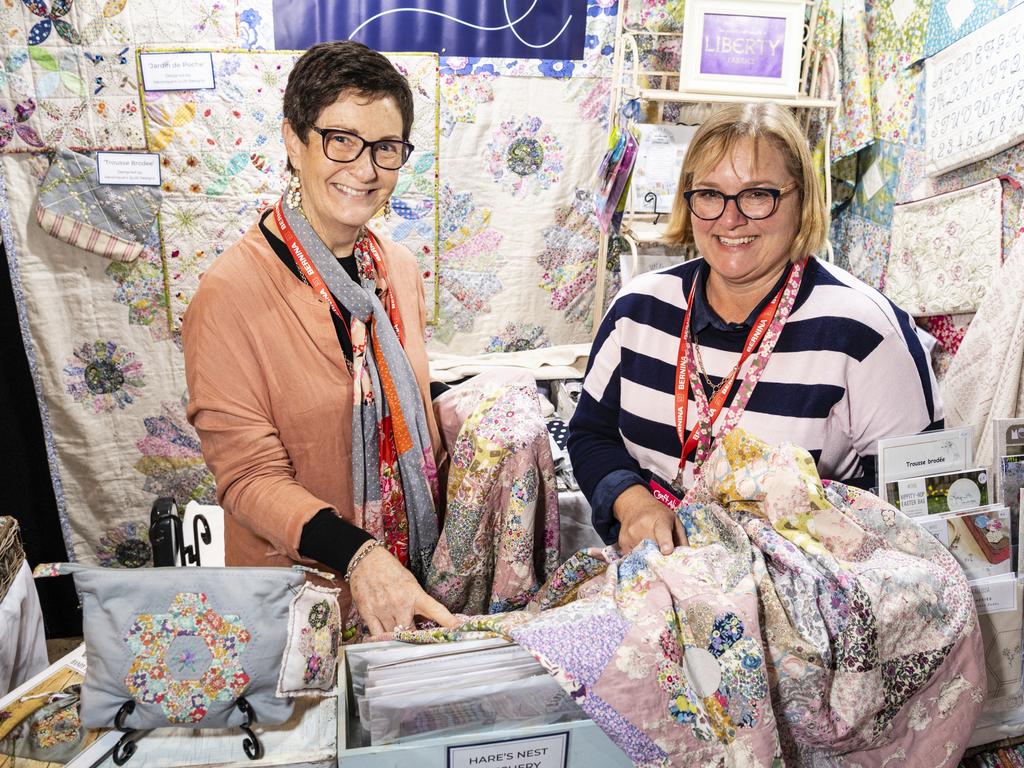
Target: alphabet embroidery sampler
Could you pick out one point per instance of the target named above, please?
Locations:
(808, 622)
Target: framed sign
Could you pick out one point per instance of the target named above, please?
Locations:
(743, 47)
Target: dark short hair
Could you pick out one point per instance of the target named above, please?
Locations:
(328, 70)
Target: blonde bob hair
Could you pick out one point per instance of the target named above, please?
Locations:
(764, 123)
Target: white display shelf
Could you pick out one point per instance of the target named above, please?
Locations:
(694, 97)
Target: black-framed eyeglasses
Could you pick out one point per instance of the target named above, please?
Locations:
(754, 203)
(345, 147)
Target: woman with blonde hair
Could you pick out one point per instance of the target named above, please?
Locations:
(757, 332)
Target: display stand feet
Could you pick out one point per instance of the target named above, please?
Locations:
(251, 743)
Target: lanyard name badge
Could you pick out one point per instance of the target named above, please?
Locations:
(754, 338)
(314, 279)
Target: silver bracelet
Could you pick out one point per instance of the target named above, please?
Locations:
(357, 558)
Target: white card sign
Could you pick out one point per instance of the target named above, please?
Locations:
(133, 168)
(537, 752)
(177, 71)
(974, 95)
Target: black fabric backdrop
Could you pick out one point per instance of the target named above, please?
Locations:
(24, 471)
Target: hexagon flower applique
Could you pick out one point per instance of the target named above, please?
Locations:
(103, 376)
(524, 156)
(714, 674)
(186, 658)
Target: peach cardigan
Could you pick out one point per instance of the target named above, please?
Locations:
(271, 396)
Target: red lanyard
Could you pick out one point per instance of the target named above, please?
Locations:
(317, 282)
(369, 245)
(757, 332)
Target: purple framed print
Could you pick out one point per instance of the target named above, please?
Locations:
(743, 47)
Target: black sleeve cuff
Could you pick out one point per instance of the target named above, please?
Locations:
(330, 540)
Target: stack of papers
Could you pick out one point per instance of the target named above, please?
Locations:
(403, 692)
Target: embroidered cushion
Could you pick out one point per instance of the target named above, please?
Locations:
(182, 643)
(111, 220)
(946, 250)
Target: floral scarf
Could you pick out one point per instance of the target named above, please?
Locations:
(394, 479)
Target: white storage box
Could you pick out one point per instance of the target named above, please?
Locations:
(584, 744)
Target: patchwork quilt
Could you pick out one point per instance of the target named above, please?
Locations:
(806, 622)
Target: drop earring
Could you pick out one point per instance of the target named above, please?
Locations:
(387, 209)
(294, 195)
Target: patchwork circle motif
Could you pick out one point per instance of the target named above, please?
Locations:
(173, 671)
(525, 156)
(721, 682)
(124, 546)
(103, 376)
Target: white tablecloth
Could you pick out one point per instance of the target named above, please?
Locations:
(22, 641)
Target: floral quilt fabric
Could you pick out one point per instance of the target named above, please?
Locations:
(807, 622)
(945, 250)
(500, 537)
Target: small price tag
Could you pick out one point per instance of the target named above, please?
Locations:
(177, 71)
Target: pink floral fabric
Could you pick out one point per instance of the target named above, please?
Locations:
(499, 542)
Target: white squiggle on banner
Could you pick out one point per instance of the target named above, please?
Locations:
(510, 25)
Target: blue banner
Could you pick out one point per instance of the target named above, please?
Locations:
(517, 29)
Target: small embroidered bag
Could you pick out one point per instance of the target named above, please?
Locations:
(201, 647)
(112, 220)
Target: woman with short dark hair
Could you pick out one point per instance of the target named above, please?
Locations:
(306, 360)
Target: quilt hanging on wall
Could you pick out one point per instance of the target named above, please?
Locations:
(946, 250)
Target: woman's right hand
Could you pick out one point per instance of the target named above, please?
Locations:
(641, 516)
(387, 595)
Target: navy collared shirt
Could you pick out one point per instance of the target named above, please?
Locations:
(702, 315)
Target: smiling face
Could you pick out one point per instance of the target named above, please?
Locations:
(339, 198)
(742, 251)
